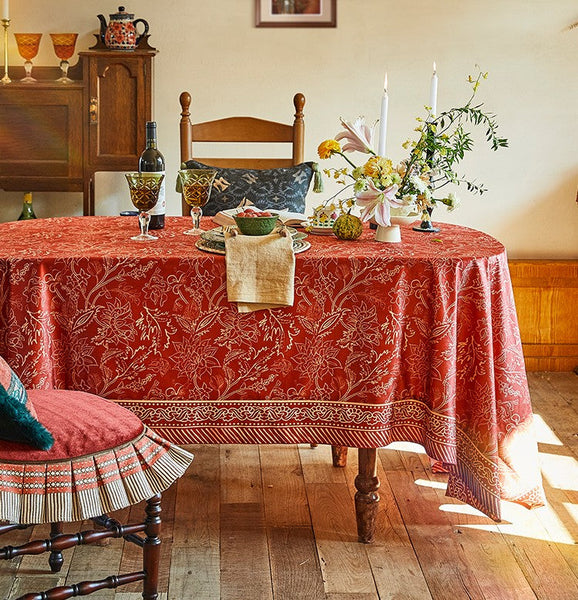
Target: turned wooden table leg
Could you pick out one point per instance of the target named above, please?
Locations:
(339, 454)
(366, 498)
(152, 548)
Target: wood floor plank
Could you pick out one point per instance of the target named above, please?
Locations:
(395, 568)
(293, 555)
(137, 596)
(317, 465)
(132, 555)
(555, 410)
(565, 383)
(437, 545)
(356, 597)
(195, 558)
(245, 569)
(541, 561)
(283, 487)
(9, 568)
(486, 554)
(241, 471)
(92, 563)
(28, 584)
(295, 571)
(195, 573)
(344, 562)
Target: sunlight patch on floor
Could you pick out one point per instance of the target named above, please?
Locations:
(406, 447)
(439, 485)
(544, 434)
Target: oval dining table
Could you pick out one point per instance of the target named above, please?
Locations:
(414, 341)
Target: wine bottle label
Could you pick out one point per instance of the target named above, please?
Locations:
(160, 207)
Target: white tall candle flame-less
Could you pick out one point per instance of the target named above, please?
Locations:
(5, 9)
(433, 92)
(383, 120)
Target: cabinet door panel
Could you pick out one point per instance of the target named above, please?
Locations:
(40, 138)
(116, 136)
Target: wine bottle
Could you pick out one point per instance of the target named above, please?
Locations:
(152, 161)
(27, 210)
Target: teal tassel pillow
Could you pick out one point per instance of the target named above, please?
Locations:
(18, 421)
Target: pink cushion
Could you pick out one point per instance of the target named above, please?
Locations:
(81, 423)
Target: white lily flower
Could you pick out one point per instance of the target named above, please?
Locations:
(376, 203)
(359, 136)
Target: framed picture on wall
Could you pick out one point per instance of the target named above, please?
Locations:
(295, 13)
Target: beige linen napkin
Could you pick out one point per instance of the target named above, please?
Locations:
(260, 271)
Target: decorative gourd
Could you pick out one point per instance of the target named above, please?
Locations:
(347, 227)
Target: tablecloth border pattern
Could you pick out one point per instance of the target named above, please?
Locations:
(344, 424)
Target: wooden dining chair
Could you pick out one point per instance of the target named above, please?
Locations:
(241, 130)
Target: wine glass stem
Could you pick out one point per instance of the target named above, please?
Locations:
(28, 68)
(144, 220)
(196, 214)
(64, 64)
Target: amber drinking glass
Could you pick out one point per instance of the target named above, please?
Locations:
(28, 44)
(144, 194)
(196, 185)
(64, 44)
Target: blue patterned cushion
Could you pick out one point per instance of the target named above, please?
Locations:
(281, 188)
(18, 421)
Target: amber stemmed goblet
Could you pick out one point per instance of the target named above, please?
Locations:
(196, 187)
(64, 44)
(144, 194)
(28, 44)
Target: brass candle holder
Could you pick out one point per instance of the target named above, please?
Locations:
(6, 78)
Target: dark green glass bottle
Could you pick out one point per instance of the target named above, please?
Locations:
(27, 209)
(152, 161)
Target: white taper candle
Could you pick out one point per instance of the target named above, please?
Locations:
(383, 120)
(433, 92)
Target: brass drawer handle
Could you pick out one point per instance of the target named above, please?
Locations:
(93, 110)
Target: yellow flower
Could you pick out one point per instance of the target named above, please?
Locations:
(328, 148)
(377, 166)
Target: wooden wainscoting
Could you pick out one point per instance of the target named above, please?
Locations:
(546, 293)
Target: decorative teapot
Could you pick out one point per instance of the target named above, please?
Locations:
(121, 33)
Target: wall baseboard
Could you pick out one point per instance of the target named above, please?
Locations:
(546, 294)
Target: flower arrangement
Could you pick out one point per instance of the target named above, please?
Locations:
(416, 184)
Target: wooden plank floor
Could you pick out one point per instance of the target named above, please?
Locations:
(277, 523)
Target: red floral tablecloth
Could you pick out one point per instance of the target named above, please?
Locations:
(416, 341)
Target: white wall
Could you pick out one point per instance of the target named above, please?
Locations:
(213, 50)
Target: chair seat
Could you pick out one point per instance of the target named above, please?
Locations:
(103, 459)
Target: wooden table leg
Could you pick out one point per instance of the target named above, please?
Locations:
(366, 498)
(339, 454)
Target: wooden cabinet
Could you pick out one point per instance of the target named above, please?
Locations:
(118, 96)
(54, 137)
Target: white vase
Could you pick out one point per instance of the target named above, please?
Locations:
(388, 234)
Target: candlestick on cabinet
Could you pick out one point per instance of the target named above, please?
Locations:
(5, 24)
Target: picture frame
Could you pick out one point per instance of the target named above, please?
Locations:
(295, 13)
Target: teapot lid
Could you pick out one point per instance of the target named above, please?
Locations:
(121, 15)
